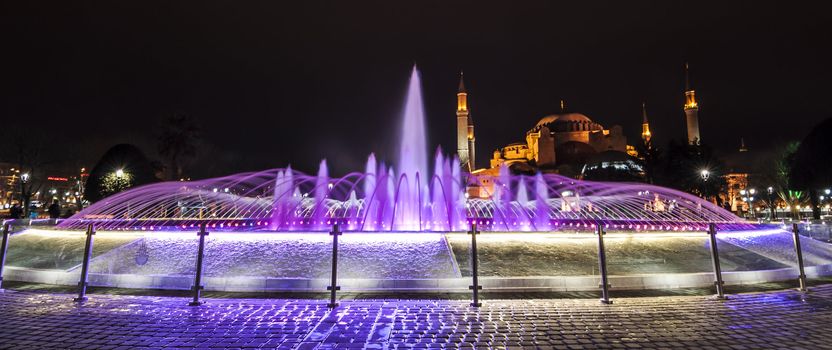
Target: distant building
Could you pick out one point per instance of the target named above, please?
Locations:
(739, 165)
(9, 177)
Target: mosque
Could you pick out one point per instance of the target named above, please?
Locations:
(567, 143)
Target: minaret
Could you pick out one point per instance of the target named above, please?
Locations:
(645, 125)
(691, 111)
(464, 128)
(472, 165)
(742, 145)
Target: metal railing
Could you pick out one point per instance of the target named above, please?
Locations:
(475, 287)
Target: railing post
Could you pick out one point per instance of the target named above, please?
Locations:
(85, 266)
(720, 292)
(3, 248)
(200, 255)
(802, 277)
(333, 288)
(475, 287)
(602, 265)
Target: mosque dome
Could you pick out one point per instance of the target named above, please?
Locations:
(568, 122)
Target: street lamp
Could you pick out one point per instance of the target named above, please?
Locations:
(704, 174)
(120, 173)
(748, 198)
(24, 197)
(770, 191)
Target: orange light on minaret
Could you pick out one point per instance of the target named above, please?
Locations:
(645, 125)
(461, 96)
(464, 127)
(690, 94)
(691, 111)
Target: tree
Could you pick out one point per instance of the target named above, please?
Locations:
(810, 170)
(775, 172)
(121, 167)
(178, 142)
(694, 169)
(651, 158)
(27, 150)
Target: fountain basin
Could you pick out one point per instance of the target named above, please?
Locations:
(411, 262)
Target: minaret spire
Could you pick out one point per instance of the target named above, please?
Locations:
(691, 110)
(465, 141)
(687, 77)
(645, 125)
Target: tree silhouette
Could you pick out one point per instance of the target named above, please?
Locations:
(27, 150)
(651, 158)
(683, 170)
(103, 182)
(811, 170)
(177, 142)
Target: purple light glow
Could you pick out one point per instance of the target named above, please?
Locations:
(257, 201)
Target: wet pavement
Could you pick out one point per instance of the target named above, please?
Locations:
(774, 319)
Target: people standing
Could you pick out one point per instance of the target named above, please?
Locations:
(15, 212)
(54, 210)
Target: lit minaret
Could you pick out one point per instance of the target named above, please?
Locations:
(464, 128)
(645, 125)
(691, 111)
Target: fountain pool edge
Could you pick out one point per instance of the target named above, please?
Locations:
(493, 284)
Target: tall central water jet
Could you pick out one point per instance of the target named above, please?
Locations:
(413, 148)
(413, 161)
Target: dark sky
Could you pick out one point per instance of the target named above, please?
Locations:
(278, 82)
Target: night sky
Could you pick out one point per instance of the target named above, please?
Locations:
(279, 82)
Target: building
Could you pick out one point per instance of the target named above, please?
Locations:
(691, 111)
(738, 172)
(9, 178)
(561, 143)
(465, 141)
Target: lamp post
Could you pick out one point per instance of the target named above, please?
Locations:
(24, 179)
(770, 191)
(705, 174)
(748, 198)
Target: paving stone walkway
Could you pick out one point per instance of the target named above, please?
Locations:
(773, 320)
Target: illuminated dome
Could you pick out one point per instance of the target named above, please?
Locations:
(568, 122)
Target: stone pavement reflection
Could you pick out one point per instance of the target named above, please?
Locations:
(775, 320)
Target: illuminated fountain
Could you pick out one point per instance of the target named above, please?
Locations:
(270, 227)
(409, 198)
(379, 200)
